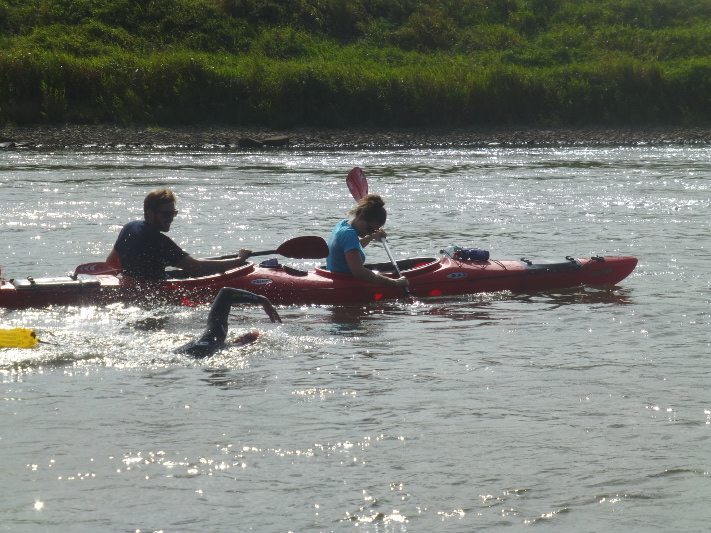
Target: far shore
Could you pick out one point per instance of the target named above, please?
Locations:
(210, 137)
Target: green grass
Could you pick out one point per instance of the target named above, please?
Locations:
(343, 63)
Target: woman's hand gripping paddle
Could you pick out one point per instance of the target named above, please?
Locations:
(358, 185)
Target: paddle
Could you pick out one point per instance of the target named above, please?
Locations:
(358, 185)
(306, 247)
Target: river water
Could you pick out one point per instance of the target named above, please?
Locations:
(576, 410)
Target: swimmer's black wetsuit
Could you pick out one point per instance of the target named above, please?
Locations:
(213, 338)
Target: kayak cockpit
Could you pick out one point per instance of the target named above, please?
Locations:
(180, 274)
(416, 264)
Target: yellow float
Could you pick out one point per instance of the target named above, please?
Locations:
(18, 338)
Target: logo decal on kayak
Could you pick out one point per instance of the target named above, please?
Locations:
(457, 275)
(261, 281)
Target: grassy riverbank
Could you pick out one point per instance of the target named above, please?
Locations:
(344, 63)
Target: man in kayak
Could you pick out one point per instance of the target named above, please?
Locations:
(142, 249)
(345, 245)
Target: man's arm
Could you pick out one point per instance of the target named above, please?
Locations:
(114, 260)
(205, 267)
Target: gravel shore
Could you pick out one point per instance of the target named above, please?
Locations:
(73, 136)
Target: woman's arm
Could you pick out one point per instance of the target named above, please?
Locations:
(359, 270)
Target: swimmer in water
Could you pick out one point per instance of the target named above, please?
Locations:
(213, 338)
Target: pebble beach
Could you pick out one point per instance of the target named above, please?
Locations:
(77, 136)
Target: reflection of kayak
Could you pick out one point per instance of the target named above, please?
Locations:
(285, 285)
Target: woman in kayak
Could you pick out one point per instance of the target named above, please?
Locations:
(345, 245)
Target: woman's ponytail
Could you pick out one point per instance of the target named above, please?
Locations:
(372, 208)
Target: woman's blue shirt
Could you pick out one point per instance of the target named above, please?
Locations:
(343, 239)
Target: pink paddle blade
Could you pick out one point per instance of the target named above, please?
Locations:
(357, 183)
(307, 247)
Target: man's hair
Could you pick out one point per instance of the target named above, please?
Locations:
(154, 199)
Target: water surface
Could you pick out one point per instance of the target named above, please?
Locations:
(576, 410)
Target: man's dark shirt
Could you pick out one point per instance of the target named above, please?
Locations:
(145, 251)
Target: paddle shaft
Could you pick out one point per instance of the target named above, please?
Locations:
(397, 268)
(234, 256)
(306, 247)
(392, 260)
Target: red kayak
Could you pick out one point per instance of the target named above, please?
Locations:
(285, 285)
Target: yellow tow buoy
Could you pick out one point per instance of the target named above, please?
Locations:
(18, 338)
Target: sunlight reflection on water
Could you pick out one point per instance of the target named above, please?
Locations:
(567, 409)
